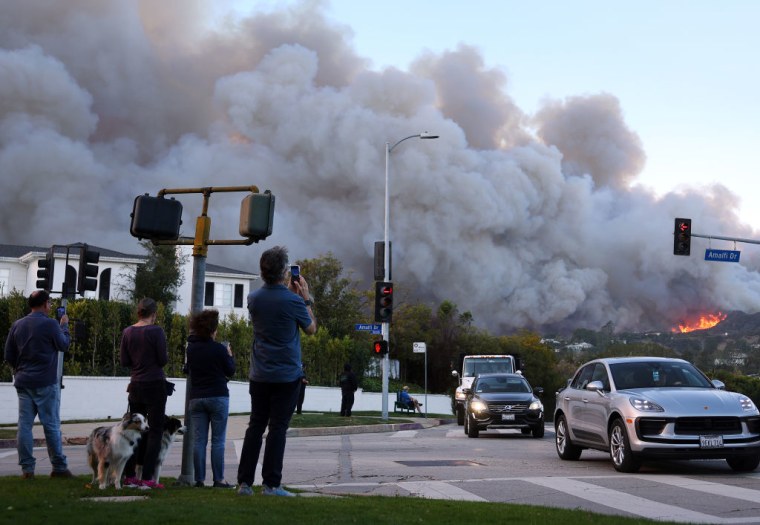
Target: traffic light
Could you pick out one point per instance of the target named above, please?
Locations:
(383, 302)
(156, 218)
(45, 271)
(88, 270)
(256, 214)
(682, 237)
(380, 347)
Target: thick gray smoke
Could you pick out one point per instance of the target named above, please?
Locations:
(528, 221)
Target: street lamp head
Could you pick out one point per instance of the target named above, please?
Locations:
(428, 135)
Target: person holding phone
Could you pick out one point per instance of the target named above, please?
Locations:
(209, 364)
(32, 352)
(280, 310)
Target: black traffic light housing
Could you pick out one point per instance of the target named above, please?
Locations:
(45, 269)
(682, 237)
(88, 270)
(380, 347)
(156, 218)
(383, 302)
(257, 215)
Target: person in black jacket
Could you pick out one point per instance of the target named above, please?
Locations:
(348, 385)
(209, 365)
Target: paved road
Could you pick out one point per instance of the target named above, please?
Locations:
(441, 462)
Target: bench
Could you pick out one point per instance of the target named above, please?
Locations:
(400, 406)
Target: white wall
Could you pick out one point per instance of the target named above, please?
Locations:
(90, 398)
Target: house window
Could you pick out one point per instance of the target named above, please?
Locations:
(238, 296)
(104, 288)
(208, 299)
(223, 294)
(5, 281)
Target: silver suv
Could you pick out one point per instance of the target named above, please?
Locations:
(643, 408)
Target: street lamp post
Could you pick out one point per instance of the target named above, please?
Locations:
(386, 328)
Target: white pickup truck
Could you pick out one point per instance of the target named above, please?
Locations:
(472, 365)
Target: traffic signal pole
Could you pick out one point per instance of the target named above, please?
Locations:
(255, 224)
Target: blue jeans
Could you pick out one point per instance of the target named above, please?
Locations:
(272, 405)
(44, 402)
(211, 411)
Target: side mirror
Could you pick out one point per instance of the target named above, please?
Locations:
(720, 385)
(538, 391)
(466, 391)
(595, 386)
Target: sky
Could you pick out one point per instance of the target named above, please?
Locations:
(685, 71)
(570, 140)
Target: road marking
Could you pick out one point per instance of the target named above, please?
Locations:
(438, 490)
(629, 503)
(404, 434)
(718, 489)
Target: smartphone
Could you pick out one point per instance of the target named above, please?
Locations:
(295, 272)
(60, 312)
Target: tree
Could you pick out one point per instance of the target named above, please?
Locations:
(337, 302)
(161, 275)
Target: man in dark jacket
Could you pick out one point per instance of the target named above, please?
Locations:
(348, 386)
(32, 351)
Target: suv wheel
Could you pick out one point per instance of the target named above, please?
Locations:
(538, 430)
(472, 427)
(743, 463)
(620, 449)
(565, 447)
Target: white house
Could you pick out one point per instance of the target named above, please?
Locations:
(225, 288)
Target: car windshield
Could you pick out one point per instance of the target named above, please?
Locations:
(474, 367)
(501, 384)
(655, 374)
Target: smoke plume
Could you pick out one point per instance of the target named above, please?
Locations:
(528, 221)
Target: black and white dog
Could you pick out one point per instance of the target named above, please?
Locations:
(109, 448)
(173, 427)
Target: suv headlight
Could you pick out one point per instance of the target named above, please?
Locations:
(747, 404)
(536, 405)
(645, 405)
(478, 406)
(459, 395)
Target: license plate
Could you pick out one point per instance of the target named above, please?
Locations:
(507, 417)
(710, 441)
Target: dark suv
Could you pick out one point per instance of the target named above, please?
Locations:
(503, 401)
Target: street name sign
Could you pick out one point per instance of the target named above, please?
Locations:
(369, 327)
(722, 255)
(419, 348)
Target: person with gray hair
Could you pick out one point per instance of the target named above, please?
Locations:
(279, 310)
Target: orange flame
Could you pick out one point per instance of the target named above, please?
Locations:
(703, 323)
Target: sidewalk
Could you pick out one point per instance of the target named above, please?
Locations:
(76, 433)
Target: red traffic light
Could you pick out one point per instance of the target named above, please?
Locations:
(682, 237)
(380, 347)
(383, 302)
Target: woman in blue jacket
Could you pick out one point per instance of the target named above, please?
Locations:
(209, 365)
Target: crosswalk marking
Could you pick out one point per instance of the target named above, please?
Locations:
(438, 490)
(629, 503)
(717, 489)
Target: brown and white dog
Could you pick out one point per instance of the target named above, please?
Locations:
(173, 427)
(109, 448)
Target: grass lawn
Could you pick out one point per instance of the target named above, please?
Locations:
(45, 500)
